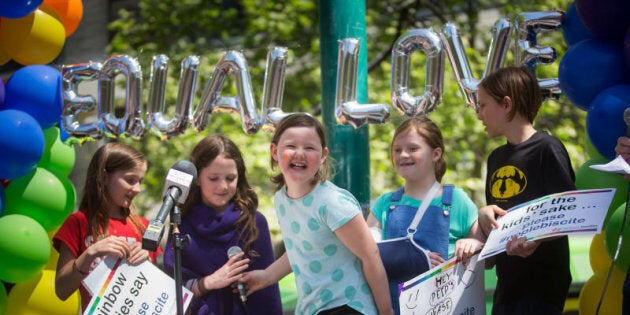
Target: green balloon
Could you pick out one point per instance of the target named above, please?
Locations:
(3, 299)
(42, 196)
(590, 149)
(611, 239)
(588, 178)
(58, 156)
(24, 248)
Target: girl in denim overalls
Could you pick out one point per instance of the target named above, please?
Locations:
(417, 153)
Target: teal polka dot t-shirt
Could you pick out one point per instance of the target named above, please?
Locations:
(327, 274)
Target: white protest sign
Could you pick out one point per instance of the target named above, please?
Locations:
(119, 288)
(571, 212)
(453, 287)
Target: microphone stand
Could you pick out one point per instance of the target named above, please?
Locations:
(178, 244)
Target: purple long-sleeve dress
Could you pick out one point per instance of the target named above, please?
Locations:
(211, 235)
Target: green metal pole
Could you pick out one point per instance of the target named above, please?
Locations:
(349, 149)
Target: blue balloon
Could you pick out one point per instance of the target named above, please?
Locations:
(21, 143)
(16, 9)
(36, 90)
(588, 68)
(604, 120)
(573, 29)
(605, 18)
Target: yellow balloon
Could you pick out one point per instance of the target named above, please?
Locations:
(592, 291)
(598, 255)
(37, 296)
(54, 255)
(34, 39)
(4, 57)
(52, 260)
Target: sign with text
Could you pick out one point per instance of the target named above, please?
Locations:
(453, 287)
(571, 212)
(119, 288)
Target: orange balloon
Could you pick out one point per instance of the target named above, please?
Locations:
(34, 39)
(70, 13)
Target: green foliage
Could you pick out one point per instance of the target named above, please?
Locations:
(179, 28)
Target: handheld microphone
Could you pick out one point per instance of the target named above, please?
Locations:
(178, 181)
(242, 291)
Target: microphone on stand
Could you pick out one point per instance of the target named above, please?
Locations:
(178, 181)
(242, 291)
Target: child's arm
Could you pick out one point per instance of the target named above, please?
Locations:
(259, 279)
(486, 218)
(71, 270)
(375, 227)
(356, 236)
(137, 254)
(467, 247)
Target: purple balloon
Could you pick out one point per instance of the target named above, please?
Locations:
(573, 29)
(36, 90)
(604, 121)
(1, 93)
(588, 68)
(605, 18)
(21, 144)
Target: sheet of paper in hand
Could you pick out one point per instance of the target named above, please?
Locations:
(618, 165)
(120, 288)
(453, 287)
(571, 212)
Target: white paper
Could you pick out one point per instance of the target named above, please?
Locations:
(453, 287)
(120, 288)
(571, 212)
(618, 165)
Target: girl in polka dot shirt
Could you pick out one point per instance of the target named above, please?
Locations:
(329, 247)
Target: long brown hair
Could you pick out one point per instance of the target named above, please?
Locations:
(300, 120)
(108, 159)
(245, 198)
(431, 133)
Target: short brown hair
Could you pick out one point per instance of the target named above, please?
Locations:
(520, 85)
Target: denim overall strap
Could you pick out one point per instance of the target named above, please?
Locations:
(434, 228)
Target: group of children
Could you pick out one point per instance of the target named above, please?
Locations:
(329, 245)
